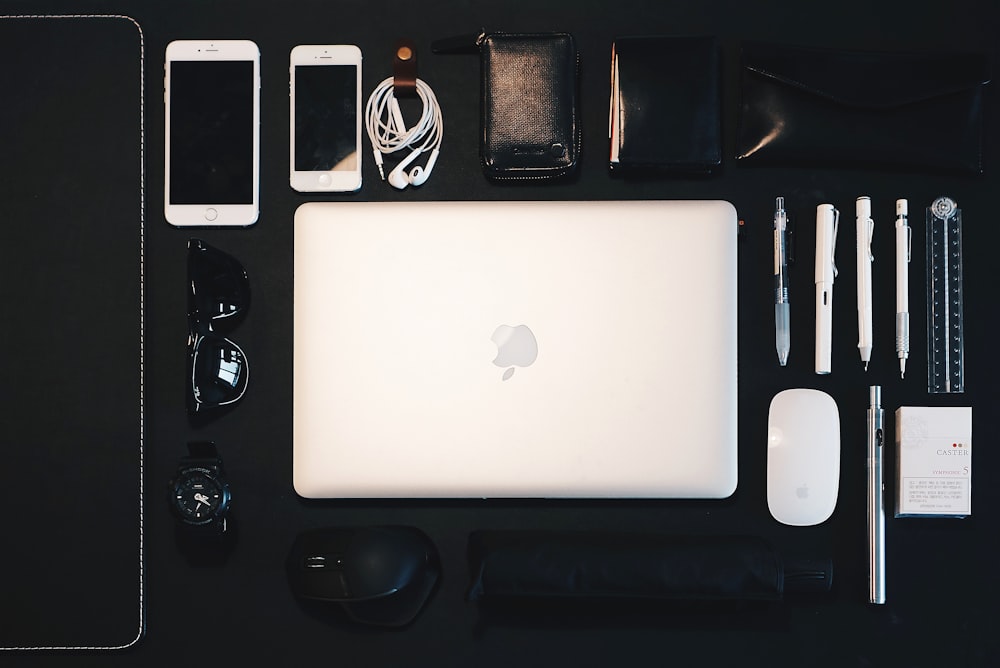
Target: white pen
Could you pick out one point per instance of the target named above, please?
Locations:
(876, 505)
(865, 228)
(903, 246)
(827, 220)
(782, 334)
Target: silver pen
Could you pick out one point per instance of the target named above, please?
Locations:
(782, 337)
(876, 507)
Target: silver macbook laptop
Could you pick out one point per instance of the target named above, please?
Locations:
(515, 349)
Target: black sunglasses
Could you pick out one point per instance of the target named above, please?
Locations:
(218, 299)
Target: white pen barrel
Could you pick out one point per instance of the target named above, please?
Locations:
(903, 250)
(902, 290)
(825, 231)
(902, 260)
(826, 221)
(864, 267)
(824, 327)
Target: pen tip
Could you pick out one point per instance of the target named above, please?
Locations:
(866, 366)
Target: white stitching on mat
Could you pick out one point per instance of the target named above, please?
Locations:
(142, 315)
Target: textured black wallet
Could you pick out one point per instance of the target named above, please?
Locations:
(814, 106)
(665, 104)
(530, 115)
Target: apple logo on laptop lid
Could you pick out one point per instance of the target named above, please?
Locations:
(516, 346)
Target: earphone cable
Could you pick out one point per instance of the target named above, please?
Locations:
(388, 132)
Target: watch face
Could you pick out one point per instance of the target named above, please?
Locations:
(198, 496)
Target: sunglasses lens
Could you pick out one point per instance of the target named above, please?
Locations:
(218, 372)
(218, 288)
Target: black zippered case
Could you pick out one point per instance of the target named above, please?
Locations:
(530, 119)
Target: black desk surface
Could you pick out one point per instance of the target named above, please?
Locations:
(942, 581)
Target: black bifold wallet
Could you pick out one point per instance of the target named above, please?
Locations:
(809, 106)
(665, 105)
(530, 107)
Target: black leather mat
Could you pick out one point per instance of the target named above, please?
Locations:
(71, 422)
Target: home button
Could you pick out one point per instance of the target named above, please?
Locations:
(211, 214)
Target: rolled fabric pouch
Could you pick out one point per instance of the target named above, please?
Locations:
(607, 565)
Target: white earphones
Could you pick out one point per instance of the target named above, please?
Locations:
(388, 133)
(398, 178)
(420, 174)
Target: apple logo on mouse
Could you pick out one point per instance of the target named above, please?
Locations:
(516, 346)
(803, 491)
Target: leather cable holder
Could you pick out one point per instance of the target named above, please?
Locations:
(387, 128)
(404, 69)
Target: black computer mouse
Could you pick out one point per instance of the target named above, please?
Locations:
(379, 575)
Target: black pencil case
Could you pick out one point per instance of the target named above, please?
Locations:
(530, 119)
(803, 105)
(579, 566)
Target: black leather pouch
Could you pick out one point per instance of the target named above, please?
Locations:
(665, 105)
(508, 565)
(530, 109)
(917, 111)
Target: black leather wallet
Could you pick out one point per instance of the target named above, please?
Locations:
(842, 108)
(530, 109)
(665, 104)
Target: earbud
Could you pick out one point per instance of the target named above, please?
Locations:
(398, 178)
(419, 175)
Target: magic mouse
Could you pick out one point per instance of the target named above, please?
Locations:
(803, 457)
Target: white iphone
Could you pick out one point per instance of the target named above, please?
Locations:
(212, 99)
(325, 94)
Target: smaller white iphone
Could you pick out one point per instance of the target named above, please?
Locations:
(212, 146)
(325, 92)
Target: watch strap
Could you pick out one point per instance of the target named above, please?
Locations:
(211, 531)
(202, 454)
(202, 450)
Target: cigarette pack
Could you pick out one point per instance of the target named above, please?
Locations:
(933, 461)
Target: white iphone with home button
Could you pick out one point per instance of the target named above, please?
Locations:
(325, 139)
(212, 138)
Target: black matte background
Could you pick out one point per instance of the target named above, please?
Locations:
(942, 581)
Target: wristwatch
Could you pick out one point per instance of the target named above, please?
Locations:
(199, 493)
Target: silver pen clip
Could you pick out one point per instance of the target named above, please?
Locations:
(833, 249)
(871, 233)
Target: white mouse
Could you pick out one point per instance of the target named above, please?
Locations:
(803, 457)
